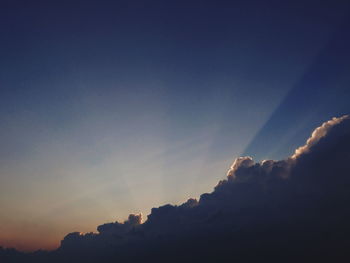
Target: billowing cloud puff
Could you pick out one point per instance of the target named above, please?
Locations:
(295, 209)
(239, 163)
(244, 168)
(317, 134)
(109, 233)
(120, 228)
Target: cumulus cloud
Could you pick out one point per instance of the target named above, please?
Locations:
(244, 168)
(240, 162)
(291, 210)
(120, 228)
(318, 134)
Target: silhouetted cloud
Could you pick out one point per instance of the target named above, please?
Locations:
(118, 228)
(287, 210)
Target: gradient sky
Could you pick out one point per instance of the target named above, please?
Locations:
(114, 107)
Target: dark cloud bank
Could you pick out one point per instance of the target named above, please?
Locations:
(293, 210)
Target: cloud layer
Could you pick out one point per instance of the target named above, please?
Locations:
(287, 210)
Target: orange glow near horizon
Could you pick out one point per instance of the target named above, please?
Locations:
(30, 244)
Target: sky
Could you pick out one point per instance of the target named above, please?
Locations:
(113, 107)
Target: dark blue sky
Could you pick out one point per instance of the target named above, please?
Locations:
(134, 100)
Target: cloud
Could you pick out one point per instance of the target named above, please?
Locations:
(292, 209)
(118, 228)
(318, 133)
(240, 162)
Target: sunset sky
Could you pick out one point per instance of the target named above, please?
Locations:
(114, 107)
